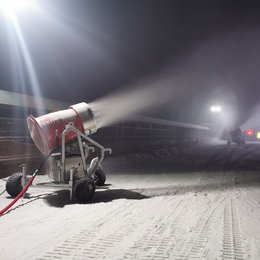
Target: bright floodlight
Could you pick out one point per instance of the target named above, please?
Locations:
(10, 6)
(215, 109)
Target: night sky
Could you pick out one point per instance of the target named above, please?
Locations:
(188, 55)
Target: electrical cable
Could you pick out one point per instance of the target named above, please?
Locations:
(2, 192)
(25, 188)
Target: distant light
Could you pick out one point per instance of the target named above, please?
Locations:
(215, 109)
(258, 135)
(249, 132)
(10, 6)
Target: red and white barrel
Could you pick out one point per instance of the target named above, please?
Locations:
(43, 128)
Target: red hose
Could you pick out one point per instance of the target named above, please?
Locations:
(25, 188)
(18, 197)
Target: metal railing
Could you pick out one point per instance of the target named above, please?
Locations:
(131, 134)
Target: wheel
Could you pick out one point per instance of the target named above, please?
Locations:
(84, 189)
(100, 177)
(14, 184)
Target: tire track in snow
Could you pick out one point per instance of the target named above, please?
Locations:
(249, 202)
(108, 246)
(194, 247)
(66, 248)
(156, 242)
(108, 231)
(232, 239)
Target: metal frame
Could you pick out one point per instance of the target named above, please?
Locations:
(71, 127)
(84, 151)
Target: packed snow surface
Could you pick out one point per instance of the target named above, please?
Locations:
(193, 203)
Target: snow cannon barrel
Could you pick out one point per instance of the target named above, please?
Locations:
(44, 129)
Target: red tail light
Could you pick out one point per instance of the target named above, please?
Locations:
(249, 132)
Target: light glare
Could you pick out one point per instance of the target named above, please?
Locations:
(249, 132)
(215, 109)
(10, 6)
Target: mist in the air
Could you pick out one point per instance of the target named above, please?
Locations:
(220, 71)
(253, 120)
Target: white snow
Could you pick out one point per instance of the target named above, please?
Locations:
(193, 203)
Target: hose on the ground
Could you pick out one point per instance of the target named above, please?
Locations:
(25, 188)
(29, 173)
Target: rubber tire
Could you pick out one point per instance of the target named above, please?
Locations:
(84, 189)
(100, 177)
(14, 184)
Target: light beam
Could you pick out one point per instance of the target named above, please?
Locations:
(9, 7)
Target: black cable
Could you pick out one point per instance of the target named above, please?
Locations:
(2, 192)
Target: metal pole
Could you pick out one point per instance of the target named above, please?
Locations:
(24, 179)
(71, 184)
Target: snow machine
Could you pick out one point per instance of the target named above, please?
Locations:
(57, 135)
(236, 137)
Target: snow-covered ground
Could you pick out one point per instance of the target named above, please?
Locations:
(194, 203)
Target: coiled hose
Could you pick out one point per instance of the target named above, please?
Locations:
(25, 188)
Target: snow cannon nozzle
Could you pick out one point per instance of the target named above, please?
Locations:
(44, 129)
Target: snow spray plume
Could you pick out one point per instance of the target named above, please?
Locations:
(253, 120)
(188, 88)
(149, 94)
